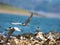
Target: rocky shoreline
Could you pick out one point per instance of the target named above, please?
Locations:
(30, 39)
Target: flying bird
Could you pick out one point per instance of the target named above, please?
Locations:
(15, 28)
(28, 19)
(26, 22)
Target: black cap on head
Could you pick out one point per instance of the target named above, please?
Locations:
(9, 27)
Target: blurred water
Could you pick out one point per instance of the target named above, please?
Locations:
(45, 24)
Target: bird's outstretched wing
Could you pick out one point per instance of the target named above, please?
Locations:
(17, 29)
(38, 14)
(28, 19)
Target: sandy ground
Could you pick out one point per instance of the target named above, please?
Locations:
(24, 13)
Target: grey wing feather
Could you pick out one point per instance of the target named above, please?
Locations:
(28, 20)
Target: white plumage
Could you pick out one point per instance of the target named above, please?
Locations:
(17, 29)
